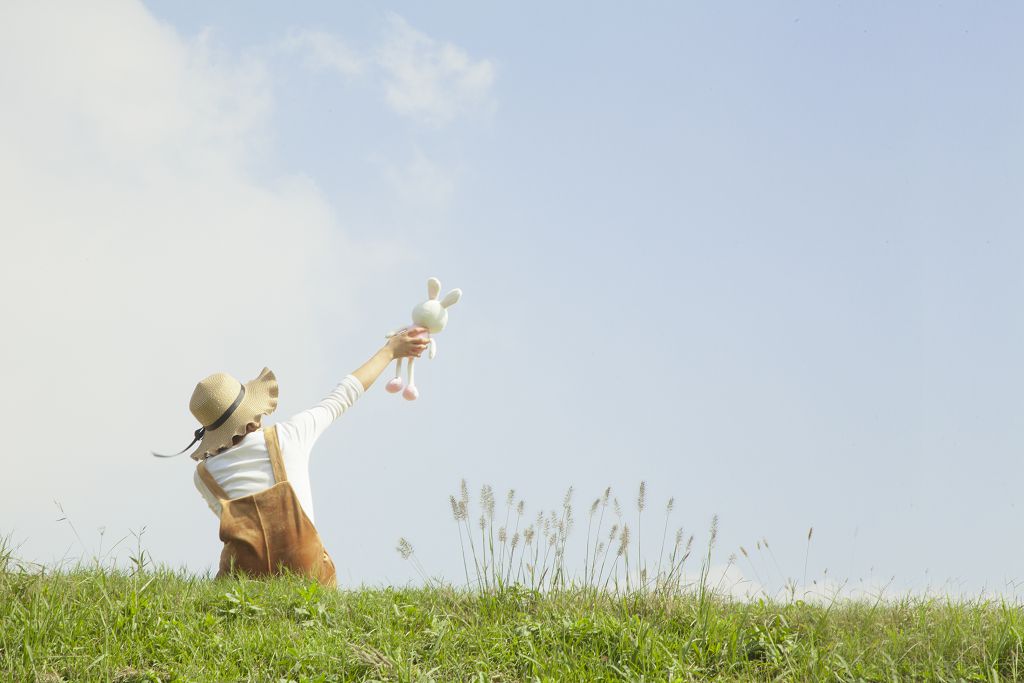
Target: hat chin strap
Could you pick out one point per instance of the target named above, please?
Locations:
(199, 433)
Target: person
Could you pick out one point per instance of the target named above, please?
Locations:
(256, 479)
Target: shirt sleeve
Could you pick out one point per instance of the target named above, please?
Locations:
(306, 427)
(210, 499)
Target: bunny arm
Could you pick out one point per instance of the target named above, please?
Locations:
(392, 333)
(433, 347)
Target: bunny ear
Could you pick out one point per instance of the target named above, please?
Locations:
(451, 298)
(433, 288)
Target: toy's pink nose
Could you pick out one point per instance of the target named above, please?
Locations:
(410, 393)
(394, 386)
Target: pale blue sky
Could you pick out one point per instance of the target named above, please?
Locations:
(764, 256)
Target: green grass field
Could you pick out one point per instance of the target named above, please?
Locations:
(103, 625)
(522, 614)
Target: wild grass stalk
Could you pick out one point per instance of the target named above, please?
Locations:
(464, 518)
(703, 604)
(597, 536)
(641, 503)
(612, 535)
(407, 552)
(664, 534)
(508, 511)
(590, 523)
(501, 556)
(807, 553)
(754, 568)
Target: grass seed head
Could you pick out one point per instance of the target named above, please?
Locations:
(624, 540)
(404, 548)
(458, 509)
(487, 500)
(641, 497)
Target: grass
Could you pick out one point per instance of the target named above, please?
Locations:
(104, 625)
(520, 615)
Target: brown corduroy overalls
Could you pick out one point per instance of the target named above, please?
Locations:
(268, 531)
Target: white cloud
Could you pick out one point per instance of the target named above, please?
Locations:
(324, 51)
(420, 182)
(423, 79)
(729, 581)
(141, 253)
(429, 80)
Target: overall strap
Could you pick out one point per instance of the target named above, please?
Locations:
(274, 449)
(210, 482)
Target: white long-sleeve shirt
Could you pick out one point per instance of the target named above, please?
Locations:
(245, 468)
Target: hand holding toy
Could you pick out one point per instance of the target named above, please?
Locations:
(432, 315)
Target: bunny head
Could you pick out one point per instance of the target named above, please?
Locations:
(433, 314)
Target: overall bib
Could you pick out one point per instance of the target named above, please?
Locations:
(268, 531)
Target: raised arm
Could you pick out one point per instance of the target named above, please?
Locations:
(306, 427)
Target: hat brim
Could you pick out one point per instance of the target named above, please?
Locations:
(260, 399)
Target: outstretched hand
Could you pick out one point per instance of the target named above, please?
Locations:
(406, 343)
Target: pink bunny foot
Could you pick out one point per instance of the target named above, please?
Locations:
(394, 386)
(410, 393)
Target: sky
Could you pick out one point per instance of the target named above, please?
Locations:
(764, 257)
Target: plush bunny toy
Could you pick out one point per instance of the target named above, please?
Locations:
(433, 315)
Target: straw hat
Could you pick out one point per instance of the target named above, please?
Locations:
(224, 406)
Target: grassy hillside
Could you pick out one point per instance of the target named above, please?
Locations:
(96, 624)
(531, 616)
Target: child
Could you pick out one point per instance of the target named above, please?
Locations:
(257, 480)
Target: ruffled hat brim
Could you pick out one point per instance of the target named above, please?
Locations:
(260, 399)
